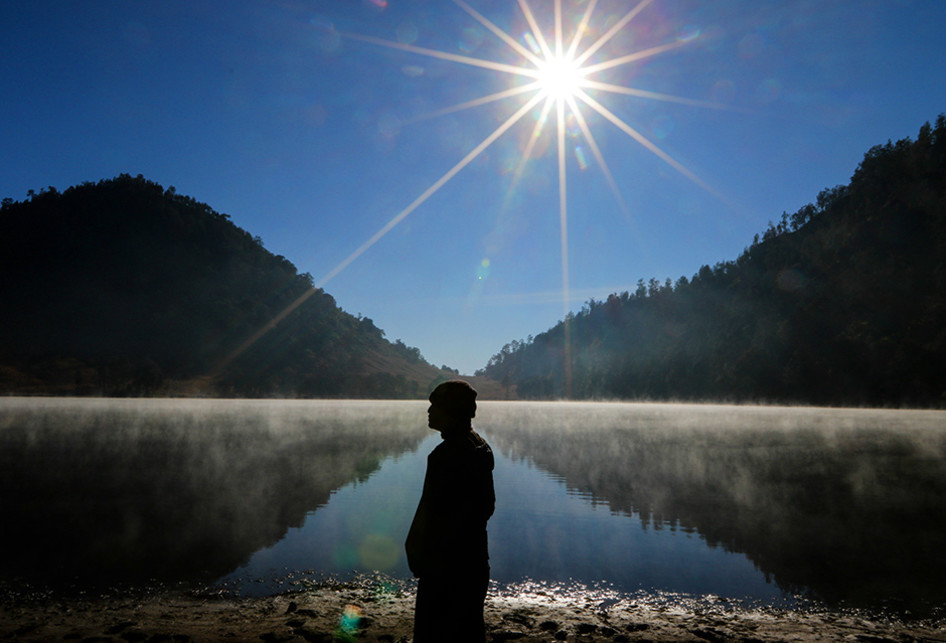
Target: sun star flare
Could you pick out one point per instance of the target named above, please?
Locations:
(557, 76)
(559, 83)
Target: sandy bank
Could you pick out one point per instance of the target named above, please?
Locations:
(379, 612)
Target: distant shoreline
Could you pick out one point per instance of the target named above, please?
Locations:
(14, 395)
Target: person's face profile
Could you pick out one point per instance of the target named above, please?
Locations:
(437, 417)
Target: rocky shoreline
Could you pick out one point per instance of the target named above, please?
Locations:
(383, 612)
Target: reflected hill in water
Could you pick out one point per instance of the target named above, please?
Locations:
(845, 505)
(102, 491)
(848, 506)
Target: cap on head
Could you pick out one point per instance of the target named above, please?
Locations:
(457, 397)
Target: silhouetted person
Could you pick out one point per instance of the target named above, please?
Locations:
(446, 545)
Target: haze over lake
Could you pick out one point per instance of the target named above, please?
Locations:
(761, 503)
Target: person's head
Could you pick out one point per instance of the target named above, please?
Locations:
(452, 406)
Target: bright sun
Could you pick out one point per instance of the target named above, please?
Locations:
(560, 77)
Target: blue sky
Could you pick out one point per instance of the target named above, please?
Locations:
(290, 118)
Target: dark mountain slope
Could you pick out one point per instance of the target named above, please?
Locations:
(842, 302)
(122, 287)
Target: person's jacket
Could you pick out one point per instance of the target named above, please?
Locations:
(448, 534)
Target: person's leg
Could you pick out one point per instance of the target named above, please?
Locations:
(469, 609)
(450, 609)
(468, 593)
(430, 611)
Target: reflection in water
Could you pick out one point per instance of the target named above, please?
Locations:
(130, 490)
(546, 530)
(542, 529)
(362, 529)
(849, 506)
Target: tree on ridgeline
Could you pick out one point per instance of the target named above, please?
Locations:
(842, 303)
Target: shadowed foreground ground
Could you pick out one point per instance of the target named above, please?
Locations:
(372, 612)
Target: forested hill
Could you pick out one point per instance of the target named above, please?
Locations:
(125, 288)
(840, 303)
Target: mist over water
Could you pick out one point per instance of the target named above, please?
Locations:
(848, 506)
(103, 491)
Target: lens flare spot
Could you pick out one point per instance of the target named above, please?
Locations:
(326, 37)
(688, 33)
(530, 41)
(378, 552)
(661, 126)
(348, 623)
(580, 157)
(345, 557)
(571, 126)
(508, 163)
(412, 71)
(470, 40)
(389, 125)
(482, 270)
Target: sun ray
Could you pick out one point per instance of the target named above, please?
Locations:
(443, 55)
(563, 224)
(505, 37)
(620, 24)
(476, 102)
(637, 55)
(593, 144)
(377, 236)
(647, 143)
(526, 155)
(533, 139)
(580, 30)
(268, 326)
(558, 28)
(439, 183)
(562, 192)
(536, 32)
(642, 93)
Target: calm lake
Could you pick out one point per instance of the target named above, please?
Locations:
(761, 503)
